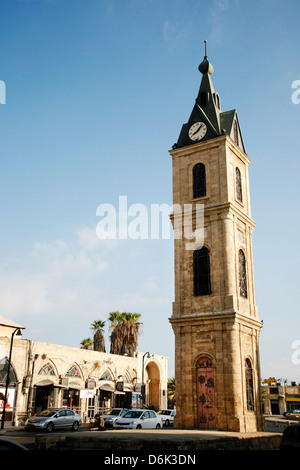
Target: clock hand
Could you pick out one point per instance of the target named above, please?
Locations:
(197, 130)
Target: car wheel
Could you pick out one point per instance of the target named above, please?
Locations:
(158, 426)
(49, 427)
(75, 426)
(167, 422)
(139, 426)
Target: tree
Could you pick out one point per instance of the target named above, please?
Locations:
(87, 343)
(99, 343)
(171, 391)
(125, 329)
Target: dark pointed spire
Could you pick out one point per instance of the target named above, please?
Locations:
(207, 110)
(207, 98)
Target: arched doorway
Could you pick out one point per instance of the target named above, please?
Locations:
(11, 391)
(153, 385)
(206, 413)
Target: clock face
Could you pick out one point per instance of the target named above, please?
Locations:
(197, 131)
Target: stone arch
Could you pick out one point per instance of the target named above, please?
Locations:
(153, 378)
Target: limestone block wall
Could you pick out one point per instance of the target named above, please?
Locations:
(29, 358)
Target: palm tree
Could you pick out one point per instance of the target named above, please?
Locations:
(99, 343)
(125, 329)
(86, 343)
(171, 391)
(116, 332)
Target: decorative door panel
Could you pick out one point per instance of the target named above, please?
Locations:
(206, 394)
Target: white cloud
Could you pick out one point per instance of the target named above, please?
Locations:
(53, 277)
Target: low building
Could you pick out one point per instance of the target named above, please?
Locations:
(280, 398)
(46, 375)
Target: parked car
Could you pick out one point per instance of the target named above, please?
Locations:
(167, 416)
(291, 437)
(54, 418)
(139, 419)
(294, 414)
(8, 444)
(111, 416)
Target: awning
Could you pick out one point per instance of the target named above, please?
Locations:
(107, 387)
(75, 386)
(44, 383)
(47, 383)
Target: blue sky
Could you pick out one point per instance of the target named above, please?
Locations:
(96, 94)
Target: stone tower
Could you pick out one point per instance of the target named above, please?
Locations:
(215, 319)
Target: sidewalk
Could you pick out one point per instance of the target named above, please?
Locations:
(158, 440)
(166, 440)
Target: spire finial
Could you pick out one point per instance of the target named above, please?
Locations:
(205, 66)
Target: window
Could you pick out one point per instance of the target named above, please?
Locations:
(47, 369)
(106, 376)
(204, 97)
(238, 185)
(199, 180)
(242, 274)
(236, 134)
(3, 372)
(73, 372)
(249, 385)
(201, 272)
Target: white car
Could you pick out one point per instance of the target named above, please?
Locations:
(139, 419)
(111, 416)
(167, 416)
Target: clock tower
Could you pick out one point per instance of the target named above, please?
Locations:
(215, 319)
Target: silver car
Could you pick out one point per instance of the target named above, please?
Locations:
(111, 416)
(54, 418)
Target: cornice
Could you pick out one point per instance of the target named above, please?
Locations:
(226, 315)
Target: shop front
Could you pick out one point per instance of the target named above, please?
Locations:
(71, 396)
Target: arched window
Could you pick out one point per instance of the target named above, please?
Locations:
(242, 274)
(238, 185)
(106, 376)
(73, 372)
(249, 385)
(236, 134)
(47, 369)
(201, 272)
(3, 372)
(199, 180)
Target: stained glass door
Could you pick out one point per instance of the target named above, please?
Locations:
(206, 394)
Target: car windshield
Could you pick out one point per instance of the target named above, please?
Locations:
(164, 412)
(46, 413)
(113, 412)
(133, 414)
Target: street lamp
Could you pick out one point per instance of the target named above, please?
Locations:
(19, 333)
(143, 385)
